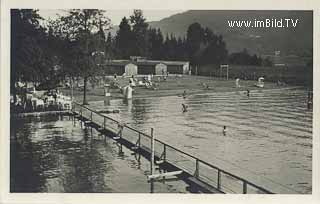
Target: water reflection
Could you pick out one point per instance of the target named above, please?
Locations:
(53, 154)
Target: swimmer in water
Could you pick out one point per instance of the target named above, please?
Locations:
(184, 108)
(184, 95)
(224, 131)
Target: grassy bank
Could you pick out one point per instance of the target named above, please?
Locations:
(173, 86)
(293, 75)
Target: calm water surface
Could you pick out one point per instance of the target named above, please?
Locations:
(52, 154)
(268, 140)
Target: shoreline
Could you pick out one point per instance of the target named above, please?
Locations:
(176, 92)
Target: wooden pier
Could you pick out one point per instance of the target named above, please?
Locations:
(171, 161)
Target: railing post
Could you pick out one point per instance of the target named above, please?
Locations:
(91, 116)
(152, 152)
(197, 169)
(219, 180)
(139, 140)
(104, 122)
(244, 187)
(164, 152)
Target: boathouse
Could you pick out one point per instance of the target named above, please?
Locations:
(142, 66)
(120, 67)
(177, 67)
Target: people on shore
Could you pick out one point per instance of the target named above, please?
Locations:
(205, 85)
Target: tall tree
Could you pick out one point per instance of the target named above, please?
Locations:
(139, 29)
(28, 60)
(155, 44)
(81, 24)
(124, 39)
(195, 36)
(109, 51)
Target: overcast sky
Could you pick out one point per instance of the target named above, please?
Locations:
(117, 15)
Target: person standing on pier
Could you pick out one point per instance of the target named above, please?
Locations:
(248, 92)
(120, 129)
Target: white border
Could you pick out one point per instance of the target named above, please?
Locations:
(6, 197)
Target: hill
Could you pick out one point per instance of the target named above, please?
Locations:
(293, 41)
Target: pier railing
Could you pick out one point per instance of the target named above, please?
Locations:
(215, 176)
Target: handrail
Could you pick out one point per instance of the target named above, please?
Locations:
(96, 112)
(245, 182)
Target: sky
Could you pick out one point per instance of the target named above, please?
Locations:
(116, 15)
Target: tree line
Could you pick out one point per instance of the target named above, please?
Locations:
(76, 45)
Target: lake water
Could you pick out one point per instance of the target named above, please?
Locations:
(268, 139)
(53, 154)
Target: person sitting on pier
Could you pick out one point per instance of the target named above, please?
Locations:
(184, 108)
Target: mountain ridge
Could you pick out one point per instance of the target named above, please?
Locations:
(260, 41)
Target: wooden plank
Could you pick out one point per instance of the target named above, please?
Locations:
(173, 173)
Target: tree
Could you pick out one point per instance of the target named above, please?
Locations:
(29, 61)
(124, 39)
(109, 49)
(195, 36)
(80, 25)
(139, 30)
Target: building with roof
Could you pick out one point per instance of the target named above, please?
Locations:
(120, 67)
(143, 66)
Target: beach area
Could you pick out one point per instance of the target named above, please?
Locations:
(174, 85)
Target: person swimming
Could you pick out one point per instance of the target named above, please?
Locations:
(184, 107)
(224, 131)
(184, 95)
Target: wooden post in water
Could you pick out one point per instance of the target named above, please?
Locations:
(139, 140)
(164, 152)
(152, 152)
(197, 169)
(219, 180)
(244, 187)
